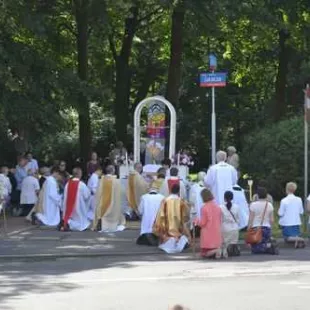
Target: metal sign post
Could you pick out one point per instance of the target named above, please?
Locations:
(213, 80)
(213, 127)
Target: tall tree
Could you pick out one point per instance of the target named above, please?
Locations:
(82, 19)
(176, 49)
(280, 102)
(122, 81)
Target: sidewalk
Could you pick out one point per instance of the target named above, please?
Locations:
(24, 241)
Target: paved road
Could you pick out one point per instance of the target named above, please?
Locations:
(154, 282)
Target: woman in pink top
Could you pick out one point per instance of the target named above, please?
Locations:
(210, 223)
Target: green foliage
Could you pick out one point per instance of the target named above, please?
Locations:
(39, 82)
(275, 154)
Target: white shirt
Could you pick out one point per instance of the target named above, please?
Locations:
(258, 207)
(230, 219)
(29, 189)
(6, 184)
(148, 208)
(291, 208)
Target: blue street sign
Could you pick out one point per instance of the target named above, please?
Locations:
(213, 79)
(212, 62)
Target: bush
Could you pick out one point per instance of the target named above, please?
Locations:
(276, 154)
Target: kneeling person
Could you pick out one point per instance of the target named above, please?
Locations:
(171, 223)
(108, 215)
(290, 212)
(48, 207)
(76, 203)
(148, 209)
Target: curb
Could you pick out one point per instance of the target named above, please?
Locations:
(36, 257)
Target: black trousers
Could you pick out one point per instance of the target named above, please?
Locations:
(197, 232)
(25, 209)
(148, 239)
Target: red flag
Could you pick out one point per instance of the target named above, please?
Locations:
(72, 190)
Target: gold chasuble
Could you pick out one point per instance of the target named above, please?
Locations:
(171, 219)
(108, 204)
(137, 187)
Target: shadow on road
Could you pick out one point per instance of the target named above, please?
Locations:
(37, 276)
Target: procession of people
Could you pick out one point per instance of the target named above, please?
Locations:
(172, 210)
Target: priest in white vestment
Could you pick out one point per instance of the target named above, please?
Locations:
(48, 206)
(167, 185)
(93, 184)
(241, 201)
(221, 178)
(136, 187)
(108, 215)
(149, 206)
(195, 195)
(76, 203)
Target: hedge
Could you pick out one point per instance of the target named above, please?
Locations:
(276, 154)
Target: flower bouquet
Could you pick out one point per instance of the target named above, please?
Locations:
(183, 159)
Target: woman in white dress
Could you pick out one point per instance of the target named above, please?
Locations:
(230, 226)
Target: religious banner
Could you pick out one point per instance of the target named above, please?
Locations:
(155, 143)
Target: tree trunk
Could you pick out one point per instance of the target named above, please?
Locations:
(151, 73)
(176, 48)
(174, 73)
(81, 15)
(123, 77)
(279, 108)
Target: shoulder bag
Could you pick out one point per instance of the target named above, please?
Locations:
(255, 235)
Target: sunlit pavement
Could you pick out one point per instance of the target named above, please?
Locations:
(111, 272)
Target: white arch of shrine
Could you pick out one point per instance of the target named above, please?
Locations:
(137, 125)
